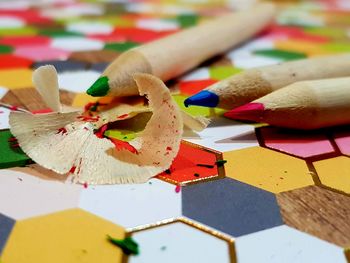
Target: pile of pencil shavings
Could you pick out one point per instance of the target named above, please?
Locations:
(81, 144)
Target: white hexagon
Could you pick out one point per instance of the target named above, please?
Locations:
(24, 195)
(178, 242)
(132, 205)
(287, 245)
(76, 44)
(224, 135)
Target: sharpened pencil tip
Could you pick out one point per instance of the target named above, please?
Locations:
(204, 98)
(249, 112)
(99, 88)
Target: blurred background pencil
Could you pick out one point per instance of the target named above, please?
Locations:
(302, 105)
(254, 83)
(171, 56)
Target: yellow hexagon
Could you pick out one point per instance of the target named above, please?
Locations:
(16, 78)
(68, 236)
(266, 169)
(335, 173)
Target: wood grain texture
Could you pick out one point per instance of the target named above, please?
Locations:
(30, 98)
(94, 56)
(319, 212)
(11, 99)
(67, 97)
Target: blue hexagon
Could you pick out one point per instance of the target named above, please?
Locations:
(230, 206)
(6, 225)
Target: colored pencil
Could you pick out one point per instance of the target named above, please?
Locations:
(255, 83)
(173, 55)
(302, 105)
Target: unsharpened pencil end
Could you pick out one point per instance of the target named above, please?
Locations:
(204, 98)
(99, 88)
(249, 112)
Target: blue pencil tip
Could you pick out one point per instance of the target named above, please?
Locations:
(204, 98)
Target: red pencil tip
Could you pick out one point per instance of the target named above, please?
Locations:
(250, 112)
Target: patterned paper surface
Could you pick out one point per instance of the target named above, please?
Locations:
(282, 196)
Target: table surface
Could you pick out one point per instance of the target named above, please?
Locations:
(282, 196)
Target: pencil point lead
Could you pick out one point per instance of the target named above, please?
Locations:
(250, 112)
(204, 98)
(99, 88)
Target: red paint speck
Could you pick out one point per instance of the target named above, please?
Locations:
(89, 119)
(62, 130)
(13, 108)
(178, 188)
(123, 116)
(169, 148)
(119, 144)
(100, 132)
(85, 185)
(89, 105)
(72, 170)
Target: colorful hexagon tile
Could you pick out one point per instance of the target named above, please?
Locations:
(191, 87)
(319, 212)
(196, 74)
(86, 27)
(41, 52)
(9, 61)
(10, 154)
(266, 169)
(342, 139)
(224, 135)
(180, 242)
(62, 65)
(6, 225)
(4, 118)
(34, 195)
(18, 41)
(3, 91)
(9, 78)
(230, 206)
(67, 236)
(132, 205)
(77, 81)
(300, 144)
(193, 164)
(287, 245)
(76, 44)
(334, 173)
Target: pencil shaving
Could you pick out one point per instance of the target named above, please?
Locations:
(68, 143)
(46, 83)
(198, 123)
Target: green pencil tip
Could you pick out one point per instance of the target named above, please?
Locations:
(99, 88)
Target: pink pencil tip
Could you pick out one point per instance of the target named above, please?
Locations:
(250, 112)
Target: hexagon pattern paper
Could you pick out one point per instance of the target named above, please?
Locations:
(281, 195)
